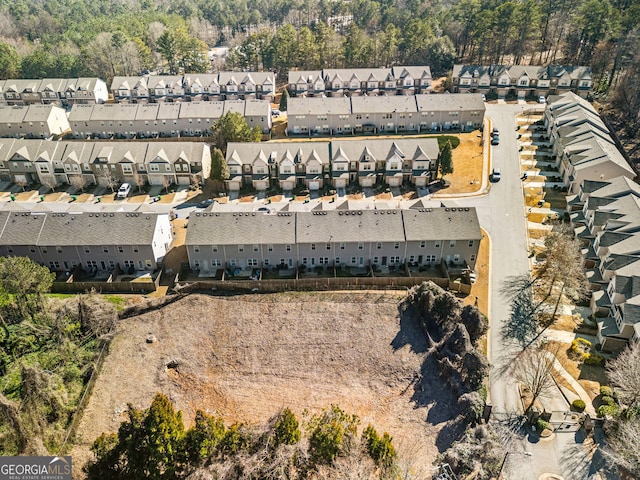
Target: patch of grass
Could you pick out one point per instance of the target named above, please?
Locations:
(117, 301)
(536, 217)
(442, 141)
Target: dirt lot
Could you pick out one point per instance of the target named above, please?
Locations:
(245, 357)
(467, 165)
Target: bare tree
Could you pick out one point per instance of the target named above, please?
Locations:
(166, 183)
(558, 279)
(138, 180)
(109, 180)
(50, 183)
(533, 368)
(624, 374)
(78, 181)
(623, 438)
(561, 278)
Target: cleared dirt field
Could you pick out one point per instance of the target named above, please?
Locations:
(245, 357)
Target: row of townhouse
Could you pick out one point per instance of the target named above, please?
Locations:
(33, 121)
(337, 163)
(360, 81)
(58, 91)
(333, 238)
(97, 242)
(384, 115)
(606, 217)
(581, 142)
(103, 163)
(194, 87)
(192, 119)
(521, 80)
(187, 119)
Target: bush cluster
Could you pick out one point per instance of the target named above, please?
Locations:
(153, 443)
(542, 425)
(581, 350)
(578, 405)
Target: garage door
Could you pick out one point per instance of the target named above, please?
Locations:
(315, 185)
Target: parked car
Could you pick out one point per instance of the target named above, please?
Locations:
(495, 132)
(541, 99)
(495, 175)
(205, 203)
(124, 190)
(495, 140)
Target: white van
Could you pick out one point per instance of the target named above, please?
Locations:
(124, 190)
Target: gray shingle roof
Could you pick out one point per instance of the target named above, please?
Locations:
(70, 229)
(442, 224)
(299, 152)
(451, 103)
(317, 106)
(20, 228)
(238, 228)
(210, 110)
(349, 226)
(115, 228)
(384, 104)
(379, 149)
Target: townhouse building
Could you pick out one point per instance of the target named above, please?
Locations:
(284, 164)
(339, 163)
(194, 87)
(581, 142)
(522, 80)
(98, 242)
(352, 82)
(144, 120)
(379, 239)
(392, 162)
(385, 115)
(606, 218)
(100, 163)
(57, 91)
(33, 121)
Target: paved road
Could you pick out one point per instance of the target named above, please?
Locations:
(502, 215)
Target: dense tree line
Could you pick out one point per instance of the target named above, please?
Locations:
(153, 443)
(67, 38)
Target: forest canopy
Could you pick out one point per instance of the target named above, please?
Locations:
(65, 38)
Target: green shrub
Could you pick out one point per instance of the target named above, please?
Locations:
(578, 405)
(286, 428)
(330, 432)
(607, 400)
(541, 425)
(604, 410)
(443, 139)
(580, 345)
(380, 449)
(593, 359)
(606, 391)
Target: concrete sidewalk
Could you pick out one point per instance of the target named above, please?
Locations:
(584, 396)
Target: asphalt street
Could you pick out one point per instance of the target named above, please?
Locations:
(502, 214)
